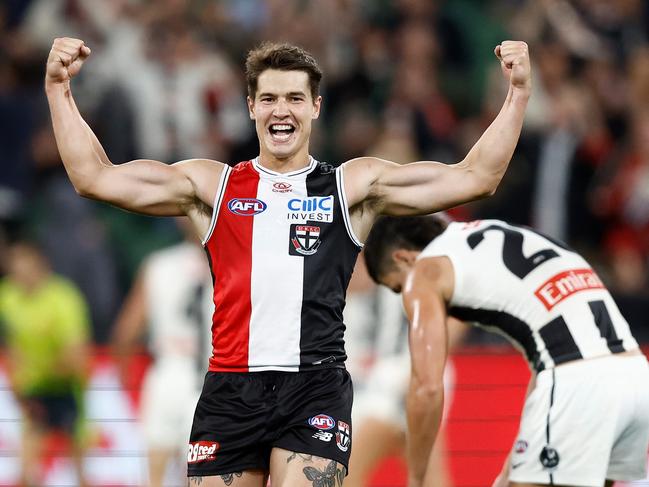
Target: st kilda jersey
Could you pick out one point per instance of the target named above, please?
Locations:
(537, 292)
(281, 251)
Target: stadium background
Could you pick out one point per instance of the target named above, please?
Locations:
(405, 80)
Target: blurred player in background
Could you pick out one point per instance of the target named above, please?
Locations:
(282, 232)
(377, 333)
(586, 415)
(46, 326)
(171, 300)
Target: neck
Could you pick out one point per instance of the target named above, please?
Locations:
(294, 162)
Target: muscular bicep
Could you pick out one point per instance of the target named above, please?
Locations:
(425, 187)
(154, 188)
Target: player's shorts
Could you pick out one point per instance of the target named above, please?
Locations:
(585, 422)
(241, 417)
(169, 396)
(53, 411)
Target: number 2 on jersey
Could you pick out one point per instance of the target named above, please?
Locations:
(512, 252)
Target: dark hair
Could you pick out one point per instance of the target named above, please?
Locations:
(284, 57)
(390, 233)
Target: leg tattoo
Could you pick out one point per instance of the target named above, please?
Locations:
(195, 481)
(327, 477)
(303, 456)
(228, 478)
(340, 473)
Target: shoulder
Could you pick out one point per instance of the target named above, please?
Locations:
(195, 168)
(430, 275)
(204, 176)
(363, 177)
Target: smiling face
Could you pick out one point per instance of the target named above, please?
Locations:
(283, 110)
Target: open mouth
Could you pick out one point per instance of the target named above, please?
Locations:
(281, 132)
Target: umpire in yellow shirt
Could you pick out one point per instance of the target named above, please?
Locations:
(45, 322)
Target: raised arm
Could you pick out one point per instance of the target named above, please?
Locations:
(384, 187)
(144, 186)
(425, 294)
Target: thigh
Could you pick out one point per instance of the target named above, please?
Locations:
(168, 403)
(292, 469)
(628, 459)
(314, 415)
(374, 439)
(566, 431)
(230, 427)
(248, 478)
(53, 412)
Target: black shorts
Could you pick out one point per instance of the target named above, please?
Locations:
(240, 417)
(53, 412)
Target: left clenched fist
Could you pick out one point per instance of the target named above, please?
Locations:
(515, 62)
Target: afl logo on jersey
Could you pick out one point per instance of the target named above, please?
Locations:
(246, 206)
(322, 422)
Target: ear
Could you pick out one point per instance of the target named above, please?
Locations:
(251, 107)
(317, 103)
(404, 256)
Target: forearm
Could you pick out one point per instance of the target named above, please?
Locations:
(80, 150)
(424, 413)
(489, 157)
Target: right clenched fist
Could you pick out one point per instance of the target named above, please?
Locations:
(65, 59)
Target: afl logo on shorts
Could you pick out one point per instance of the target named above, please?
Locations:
(322, 422)
(246, 206)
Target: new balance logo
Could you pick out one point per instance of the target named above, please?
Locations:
(323, 435)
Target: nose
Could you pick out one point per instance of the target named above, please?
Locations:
(281, 108)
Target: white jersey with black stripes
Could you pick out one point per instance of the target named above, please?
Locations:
(536, 291)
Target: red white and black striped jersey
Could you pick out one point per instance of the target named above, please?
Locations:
(281, 250)
(534, 290)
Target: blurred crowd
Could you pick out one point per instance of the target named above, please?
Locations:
(404, 79)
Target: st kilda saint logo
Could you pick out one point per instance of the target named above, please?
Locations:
(305, 239)
(343, 436)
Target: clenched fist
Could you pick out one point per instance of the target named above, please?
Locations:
(65, 60)
(515, 63)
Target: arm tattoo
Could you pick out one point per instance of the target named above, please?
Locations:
(195, 481)
(228, 478)
(327, 477)
(303, 456)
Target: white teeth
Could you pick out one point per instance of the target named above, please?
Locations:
(281, 127)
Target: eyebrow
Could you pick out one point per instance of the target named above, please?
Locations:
(291, 93)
